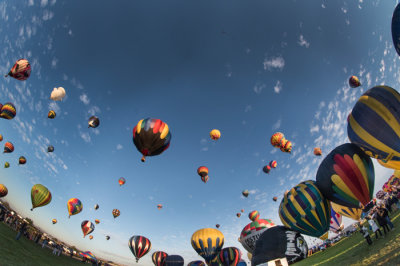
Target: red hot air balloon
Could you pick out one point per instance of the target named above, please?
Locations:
(121, 181)
(21, 70)
(139, 246)
(202, 171)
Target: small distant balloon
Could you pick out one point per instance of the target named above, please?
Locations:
(254, 215)
(217, 225)
(90, 237)
(22, 160)
(275, 198)
(40, 196)
(107, 237)
(93, 122)
(97, 221)
(8, 147)
(266, 169)
(317, 151)
(54, 221)
(87, 227)
(57, 94)
(8, 111)
(215, 134)
(159, 206)
(1, 137)
(50, 148)
(21, 70)
(354, 82)
(6, 164)
(242, 210)
(245, 193)
(273, 164)
(202, 171)
(121, 181)
(3, 191)
(276, 139)
(96, 206)
(238, 214)
(51, 114)
(116, 213)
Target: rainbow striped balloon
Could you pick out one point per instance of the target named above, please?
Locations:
(8, 111)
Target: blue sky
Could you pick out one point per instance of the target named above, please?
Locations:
(247, 68)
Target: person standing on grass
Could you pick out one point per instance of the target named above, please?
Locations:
(374, 227)
(365, 234)
(386, 217)
(44, 243)
(21, 230)
(54, 249)
(380, 217)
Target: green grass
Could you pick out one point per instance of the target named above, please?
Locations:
(354, 250)
(26, 252)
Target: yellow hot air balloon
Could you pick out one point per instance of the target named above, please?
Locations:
(207, 243)
(40, 196)
(3, 191)
(353, 213)
(390, 164)
(215, 134)
(54, 221)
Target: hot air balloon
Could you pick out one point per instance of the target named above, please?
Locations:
(229, 256)
(158, 258)
(174, 260)
(207, 243)
(286, 145)
(242, 210)
(252, 231)
(217, 225)
(353, 213)
(116, 213)
(151, 137)
(8, 111)
(8, 147)
(390, 164)
(238, 214)
(93, 122)
(21, 70)
(380, 195)
(22, 160)
(254, 215)
(215, 134)
(336, 222)
(1, 136)
(374, 123)
(87, 227)
(275, 198)
(6, 164)
(266, 169)
(51, 114)
(97, 221)
(159, 206)
(273, 164)
(74, 206)
(57, 94)
(279, 242)
(276, 139)
(242, 263)
(202, 171)
(96, 206)
(306, 210)
(54, 221)
(396, 28)
(196, 263)
(121, 181)
(40, 196)
(139, 246)
(3, 191)
(90, 237)
(354, 82)
(107, 237)
(50, 148)
(317, 151)
(346, 176)
(245, 193)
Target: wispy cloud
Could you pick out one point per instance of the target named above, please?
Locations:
(278, 87)
(274, 63)
(84, 98)
(303, 42)
(277, 125)
(258, 88)
(119, 147)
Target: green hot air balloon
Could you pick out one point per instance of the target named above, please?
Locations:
(40, 196)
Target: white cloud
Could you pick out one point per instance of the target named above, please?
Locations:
(119, 147)
(277, 124)
(85, 136)
(278, 87)
(84, 98)
(303, 42)
(93, 110)
(248, 108)
(314, 129)
(258, 88)
(43, 3)
(274, 63)
(54, 62)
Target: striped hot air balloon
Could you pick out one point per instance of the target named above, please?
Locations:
(8, 147)
(158, 258)
(207, 243)
(276, 139)
(21, 70)
(336, 222)
(139, 246)
(8, 111)
(353, 213)
(3, 191)
(254, 215)
(273, 164)
(202, 171)
(51, 114)
(40, 196)
(22, 160)
(229, 256)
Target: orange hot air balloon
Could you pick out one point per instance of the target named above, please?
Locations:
(276, 139)
(121, 181)
(97, 221)
(215, 134)
(317, 151)
(159, 206)
(202, 171)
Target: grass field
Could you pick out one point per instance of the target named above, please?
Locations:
(354, 250)
(26, 252)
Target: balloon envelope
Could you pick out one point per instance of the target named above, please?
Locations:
(3, 191)
(21, 70)
(74, 206)
(336, 222)
(8, 111)
(174, 260)
(139, 246)
(40, 196)
(252, 232)
(229, 256)
(87, 227)
(353, 213)
(93, 121)
(396, 28)
(207, 243)
(158, 258)
(215, 134)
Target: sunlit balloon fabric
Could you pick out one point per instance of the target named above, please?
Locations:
(21, 160)
(40, 196)
(139, 246)
(346, 176)
(151, 137)
(273, 164)
(254, 215)
(90, 237)
(1, 137)
(74, 206)
(8, 147)
(390, 164)
(96, 206)
(51, 114)
(374, 123)
(97, 221)
(336, 222)
(121, 181)
(116, 213)
(251, 232)
(353, 213)
(207, 243)
(215, 134)
(8, 111)
(305, 209)
(202, 171)
(276, 139)
(87, 227)
(158, 258)
(317, 151)
(3, 191)
(21, 70)
(54, 221)
(396, 28)
(229, 256)
(93, 122)
(354, 82)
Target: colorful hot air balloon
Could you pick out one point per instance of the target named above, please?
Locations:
(40, 196)
(354, 82)
(74, 206)
(273, 164)
(242, 210)
(1, 136)
(50, 148)
(139, 246)
(6, 164)
(238, 214)
(286, 145)
(121, 181)
(215, 134)
(229, 256)
(21, 70)
(158, 258)
(97, 221)
(22, 160)
(90, 237)
(390, 164)
(159, 206)
(54, 221)
(374, 123)
(174, 260)
(51, 114)
(336, 222)
(242, 263)
(96, 206)
(346, 176)
(107, 237)
(254, 215)
(3, 191)
(116, 213)
(245, 193)
(151, 137)
(196, 263)
(353, 213)
(252, 231)
(202, 171)
(87, 227)
(8, 111)
(317, 151)
(266, 169)
(207, 243)
(93, 122)
(8, 147)
(306, 210)
(276, 139)
(396, 28)
(217, 225)
(275, 198)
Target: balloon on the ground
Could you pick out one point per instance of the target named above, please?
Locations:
(21, 70)
(202, 171)
(8, 147)
(40, 196)
(346, 176)
(207, 243)
(196, 263)
(174, 260)
(116, 213)
(229, 256)
(3, 191)
(87, 227)
(306, 210)
(317, 151)
(50, 148)
(8, 111)
(151, 137)
(252, 232)
(273, 164)
(54, 221)
(352, 213)
(158, 258)
(22, 160)
(74, 206)
(374, 123)
(279, 242)
(6, 164)
(254, 216)
(139, 246)
(354, 82)
(57, 94)
(215, 134)
(121, 181)
(396, 28)
(245, 193)
(51, 114)
(336, 222)
(276, 139)
(93, 121)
